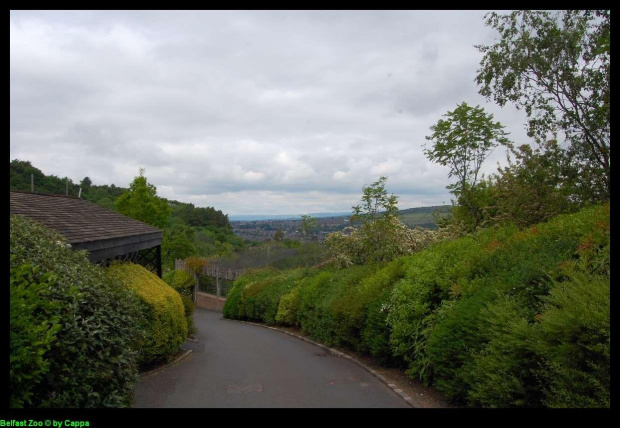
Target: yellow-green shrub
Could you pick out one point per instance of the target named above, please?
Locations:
(184, 284)
(163, 313)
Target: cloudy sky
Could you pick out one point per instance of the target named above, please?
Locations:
(251, 112)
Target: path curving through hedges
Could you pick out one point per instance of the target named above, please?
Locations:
(238, 365)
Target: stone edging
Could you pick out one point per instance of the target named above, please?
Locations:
(336, 353)
(185, 354)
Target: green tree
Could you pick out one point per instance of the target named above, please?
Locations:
(535, 187)
(556, 66)
(177, 243)
(462, 142)
(142, 203)
(378, 215)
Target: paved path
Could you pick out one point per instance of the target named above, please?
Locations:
(240, 365)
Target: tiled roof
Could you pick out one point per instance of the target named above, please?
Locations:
(78, 220)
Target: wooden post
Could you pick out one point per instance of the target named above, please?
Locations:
(67, 187)
(80, 193)
(32, 182)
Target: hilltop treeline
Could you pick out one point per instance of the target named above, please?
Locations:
(188, 230)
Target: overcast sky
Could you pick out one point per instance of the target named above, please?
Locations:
(251, 112)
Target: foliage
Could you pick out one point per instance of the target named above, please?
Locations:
(320, 310)
(233, 308)
(163, 315)
(381, 236)
(556, 66)
(184, 284)
(499, 318)
(91, 361)
(181, 281)
(191, 231)
(142, 203)
(462, 142)
(534, 189)
(350, 247)
(207, 217)
(462, 315)
(177, 243)
(34, 324)
(378, 216)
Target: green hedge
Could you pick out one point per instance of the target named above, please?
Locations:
(184, 284)
(163, 315)
(72, 330)
(468, 305)
(501, 318)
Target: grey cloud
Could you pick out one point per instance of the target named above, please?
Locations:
(227, 107)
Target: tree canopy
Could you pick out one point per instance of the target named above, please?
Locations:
(142, 203)
(462, 142)
(556, 66)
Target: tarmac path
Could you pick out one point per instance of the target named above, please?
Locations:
(240, 365)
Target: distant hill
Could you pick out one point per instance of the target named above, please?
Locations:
(422, 216)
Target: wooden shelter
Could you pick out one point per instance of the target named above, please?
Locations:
(105, 234)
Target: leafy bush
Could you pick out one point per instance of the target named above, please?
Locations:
(184, 284)
(462, 315)
(324, 304)
(499, 318)
(163, 316)
(261, 299)
(181, 281)
(34, 326)
(90, 360)
(233, 308)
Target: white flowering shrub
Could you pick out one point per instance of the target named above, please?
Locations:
(382, 240)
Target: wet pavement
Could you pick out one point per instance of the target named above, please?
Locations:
(240, 365)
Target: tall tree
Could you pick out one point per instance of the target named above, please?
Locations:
(378, 214)
(462, 142)
(142, 203)
(556, 66)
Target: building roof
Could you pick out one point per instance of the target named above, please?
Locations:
(85, 225)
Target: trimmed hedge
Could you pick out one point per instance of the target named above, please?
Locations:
(184, 284)
(501, 318)
(466, 303)
(163, 315)
(72, 330)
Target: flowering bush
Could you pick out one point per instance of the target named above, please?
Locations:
(383, 241)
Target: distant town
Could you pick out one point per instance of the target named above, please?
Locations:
(265, 229)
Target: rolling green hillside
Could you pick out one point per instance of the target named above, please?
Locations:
(423, 216)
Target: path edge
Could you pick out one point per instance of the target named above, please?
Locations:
(176, 360)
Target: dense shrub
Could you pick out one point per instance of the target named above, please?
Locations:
(90, 360)
(34, 325)
(499, 318)
(163, 316)
(350, 247)
(181, 281)
(233, 308)
(184, 284)
(464, 324)
(324, 303)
